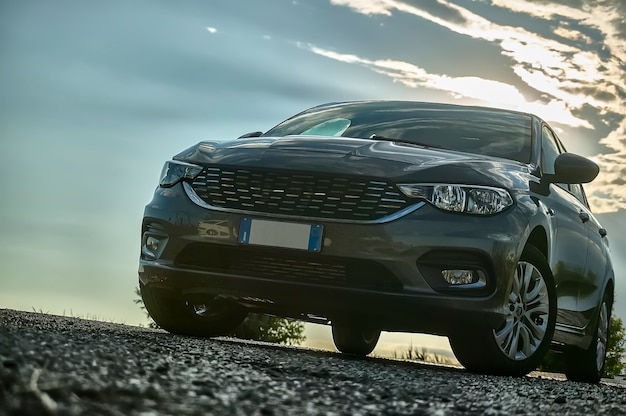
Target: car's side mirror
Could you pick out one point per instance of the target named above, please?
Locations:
(251, 134)
(571, 168)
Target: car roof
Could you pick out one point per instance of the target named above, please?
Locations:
(420, 105)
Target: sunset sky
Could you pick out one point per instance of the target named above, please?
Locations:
(96, 95)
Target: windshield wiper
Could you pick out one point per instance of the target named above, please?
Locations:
(406, 141)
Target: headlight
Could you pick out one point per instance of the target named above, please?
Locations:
(480, 200)
(173, 172)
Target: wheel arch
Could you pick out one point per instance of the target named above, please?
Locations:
(539, 239)
(609, 288)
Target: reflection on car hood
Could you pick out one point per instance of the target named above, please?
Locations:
(348, 156)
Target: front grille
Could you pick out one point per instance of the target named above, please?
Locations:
(288, 266)
(301, 195)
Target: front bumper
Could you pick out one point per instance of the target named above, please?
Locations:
(388, 274)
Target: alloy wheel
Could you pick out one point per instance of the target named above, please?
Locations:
(527, 314)
(603, 335)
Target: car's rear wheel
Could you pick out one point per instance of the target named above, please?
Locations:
(517, 346)
(588, 365)
(179, 316)
(355, 339)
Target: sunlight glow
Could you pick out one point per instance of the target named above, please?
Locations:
(493, 92)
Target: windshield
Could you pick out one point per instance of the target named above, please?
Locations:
(467, 129)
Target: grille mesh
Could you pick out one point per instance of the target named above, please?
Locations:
(288, 266)
(298, 194)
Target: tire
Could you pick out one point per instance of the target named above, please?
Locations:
(180, 317)
(588, 365)
(355, 339)
(519, 344)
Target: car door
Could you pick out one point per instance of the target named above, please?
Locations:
(591, 286)
(569, 240)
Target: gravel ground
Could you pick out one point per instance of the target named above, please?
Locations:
(67, 366)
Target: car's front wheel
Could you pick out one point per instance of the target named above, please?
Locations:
(354, 339)
(179, 316)
(588, 365)
(517, 346)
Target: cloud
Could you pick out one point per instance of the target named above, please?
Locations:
(608, 193)
(541, 62)
(368, 7)
(574, 35)
(607, 16)
(577, 64)
(495, 93)
(608, 93)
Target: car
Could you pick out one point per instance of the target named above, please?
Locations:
(462, 221)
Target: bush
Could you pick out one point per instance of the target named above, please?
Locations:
(255, 327)
(615, 356)
(614, 365)
(420, 354)
(271, 329)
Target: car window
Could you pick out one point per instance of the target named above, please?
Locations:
(549, 151)
(551, 148)
(334, 127)
(475, 130)
(578, 191)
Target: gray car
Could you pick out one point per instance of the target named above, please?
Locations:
(467, 222)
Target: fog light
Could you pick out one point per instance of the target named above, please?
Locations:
(459, 277)
(152, 244)
(150, 248)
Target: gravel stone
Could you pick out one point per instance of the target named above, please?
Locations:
(53, 365)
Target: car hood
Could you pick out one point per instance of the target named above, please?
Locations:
(364, 157)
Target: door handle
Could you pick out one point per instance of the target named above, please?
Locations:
(602, 232)
(584, 217)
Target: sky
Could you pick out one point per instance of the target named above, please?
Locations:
(96, 95)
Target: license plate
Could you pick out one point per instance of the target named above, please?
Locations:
(281, 234)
